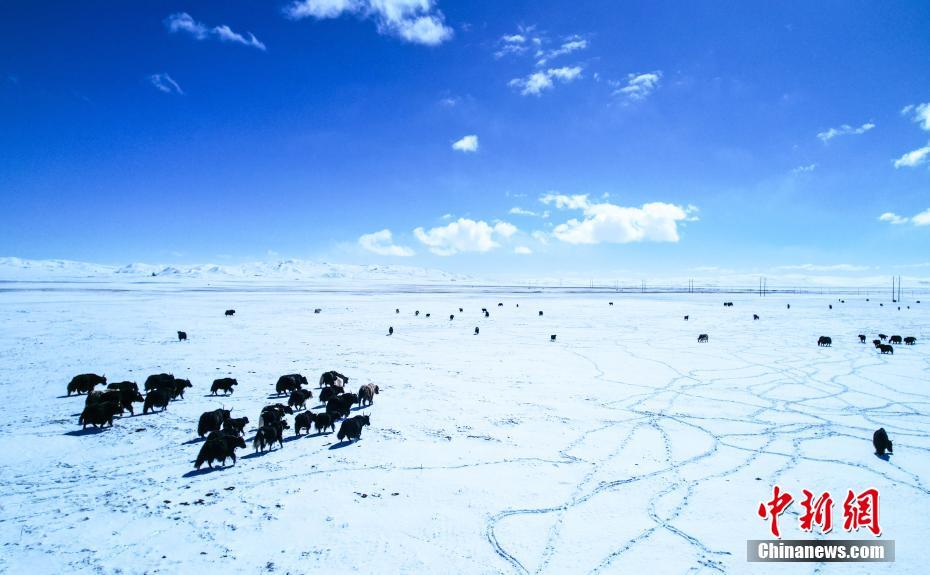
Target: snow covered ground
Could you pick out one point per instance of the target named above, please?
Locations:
(625, 446)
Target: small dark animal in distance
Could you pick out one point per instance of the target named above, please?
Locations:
(703, 338)
(230, 312)
(182, 336)
(881, 442)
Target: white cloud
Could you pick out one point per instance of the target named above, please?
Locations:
(921, 219)
(415, 21)
(606, 222)
(518, 211)
(826, 268)
(804, 169)
(184, 22)
(844, 130)
(382, 243)
(913, 158)
(893, 218)
(537, 82)
(517, 43)
(467, 144)
(921, 114)
(464, 235)
(571, 44)
(522, 250)
(639, 86)
(165, 83)
(541, 237)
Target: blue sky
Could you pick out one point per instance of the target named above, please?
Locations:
(497, 137)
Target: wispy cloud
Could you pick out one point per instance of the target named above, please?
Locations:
(464, 235)
(468, 144)
(921, 219)
(165, 83)
(913, 158)
(523, 41)
(382, 243)
(919, 113)
(844, 130)
(414, 21)
(518, 211)
(571, 44)
(638, 87)
(604, 222)
(538, 82)
(184, 23)
(804, 169)
(522, 250)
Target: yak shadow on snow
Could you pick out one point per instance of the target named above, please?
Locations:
(884, 456)
(88, 431)
(194, 440)
(204, 471)
(341, 444)
(255, 454)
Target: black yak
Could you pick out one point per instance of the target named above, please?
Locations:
(686, 317)
(98, 414)
(288, 383)
(500, 304)
(427, 315)
(230, 312)
(451, 317)
(910, 340)
(552, 337)
(333, 378)
(789, 306)
(225, 384)
(318, 310)
(886, 349)
(861, 338)
(212, 421)
(275, 412)
(85, 383)
(416, 313)
(124, 386)
(610, 303)
(703, 338)
(324, 421)
(484, 310)
(540, 313)
(330, 392)
(876, 342)
(156, 398)
(830, 306)
(391, 330)
(895, 339)
(299, 397)
(182, 336)
(486, 314)
(367, 393)
(352, 427)
(882, 336)
(236, 425)
(159, 380)
(881, 442)
(304, 420)
(342, 405)
(124, 398)
(461, 310)
(476, 331)
(397, 310)
(175, 388)
(824, 341)
(268, 434)
(755, 317)
(218, 447)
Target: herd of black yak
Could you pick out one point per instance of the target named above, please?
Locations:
(224, 433)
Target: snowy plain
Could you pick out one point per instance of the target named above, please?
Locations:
(622, 447)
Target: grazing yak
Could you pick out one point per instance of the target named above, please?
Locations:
(427, 315)
(451, 317)
(416, 313)
(333, 378)
(500, 304)
(895, 339)
(124, 386)
(156, 398)
(85, 383)
(830, 306)
(288, 383)
(686, 318)
(824, 341)
(540, 313)
(910, 340)
(367, 393)
(182, 336)
(476, 331)
(230, 312)
(876, 342)
(225, 384)
(552, 337)
(179, 386)
(174, 386)
(486, 314)
(330, 392)
(98, 414)
(268, 434)
(304, 420)
(861, 338)
(275, 412)
(342, 405)
(218, 447)
(299, 397)
(881, 442)
(610, 303)
(212, 421)
(236, 425)
(703, 338)
(461, 310)
(318, 310)
(391, 330)
(484, 310)
(789, 306)
(755, 317)
(886, 349)
(124, 398)
(324, 421)
(397, 310)
(882, 336)
(352, 427)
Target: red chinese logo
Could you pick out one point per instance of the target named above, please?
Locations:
(858, 511)
(861, 511)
